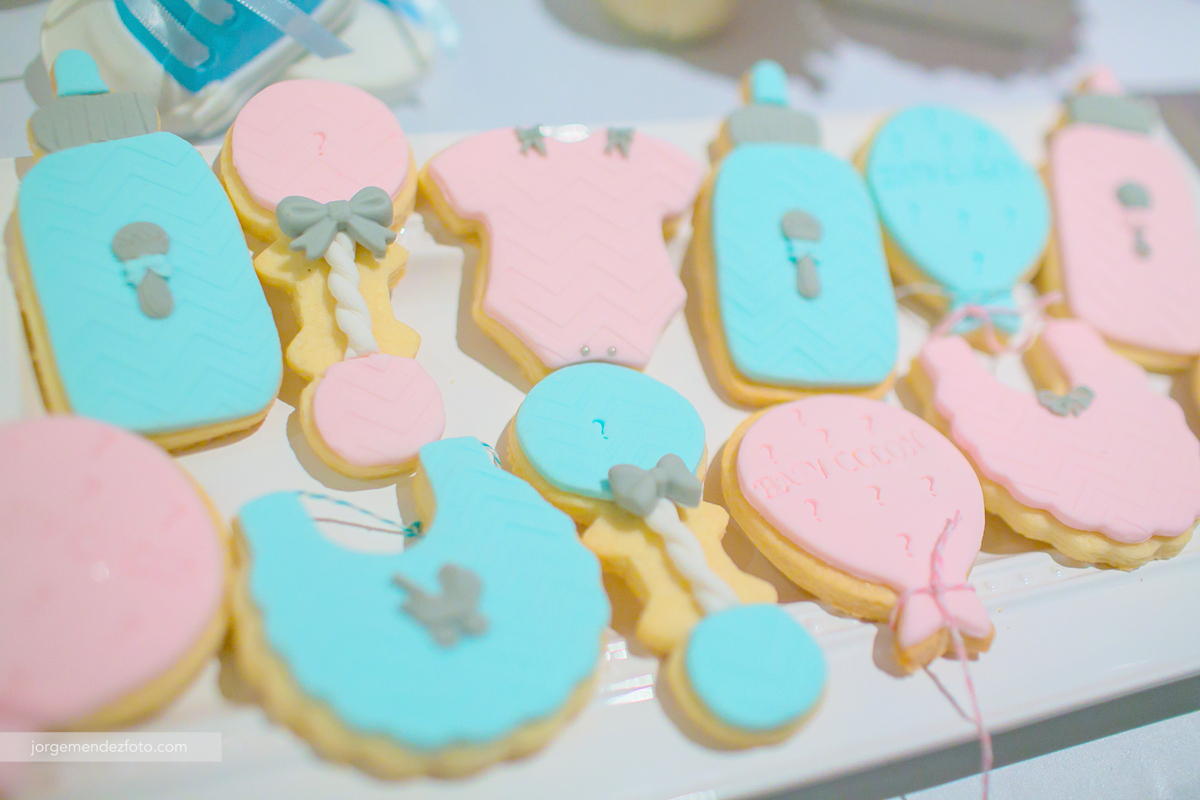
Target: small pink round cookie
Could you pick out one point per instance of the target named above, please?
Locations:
(377, 410)
(112, 575)
(318, 139)
(868, 489)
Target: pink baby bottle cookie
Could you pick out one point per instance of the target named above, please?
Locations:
(573, 265)
(323, 177)
(1097, 463)
(869, 508)
(1127, 227)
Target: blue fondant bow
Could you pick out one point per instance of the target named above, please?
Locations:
(311, 225)
(638, 490)
(1073, 402)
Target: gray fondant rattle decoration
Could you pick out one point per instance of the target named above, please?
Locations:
(799, 226)
(142, 247)
(638, 490)
(452, 614)
(531, 138)
(311, 226)
(1133, 195)
(620, 139)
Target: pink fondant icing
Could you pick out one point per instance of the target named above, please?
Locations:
(869, 488)
(318, 139)
(111, 567)
(576, 257)
(1151, 300)
(378, 410)
(1127, 466)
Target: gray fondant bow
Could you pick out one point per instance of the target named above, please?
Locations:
(638, 490)
(311, 225)
(1072, 403)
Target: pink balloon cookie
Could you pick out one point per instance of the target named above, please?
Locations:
(574, 266)
(869, 508)
(112, 576)
(374, 413)
(1097, 464)
(1127, 228)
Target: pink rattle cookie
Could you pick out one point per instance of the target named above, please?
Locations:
(570, 224)
(112, 576)
(869, 508)
(322, 177)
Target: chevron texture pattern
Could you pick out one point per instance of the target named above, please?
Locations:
(318, 139)
(575, 245)
(378, 410)
(846, 336)
(216, 357)
(1127, 466)
(578, 422)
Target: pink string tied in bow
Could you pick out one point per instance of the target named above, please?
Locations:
(937, 590)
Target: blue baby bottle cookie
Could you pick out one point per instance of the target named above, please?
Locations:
(796, 292)
(143, 308)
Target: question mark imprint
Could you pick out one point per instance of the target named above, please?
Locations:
(770, 454)
(907, 542)
(930, 479)
(600, 422)
(876, 490)
(869, 422)
(824, 433)
(320, 137)
(813, 503)
(799, 416)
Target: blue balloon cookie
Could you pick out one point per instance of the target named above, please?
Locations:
(960, 205)
(475, 643)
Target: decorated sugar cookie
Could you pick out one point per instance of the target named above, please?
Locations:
(795, 288)
(869, 508)
(112, 576)
(960, 209)
(570, 223)
(140, 302)
(1097, 464)
(1127, 229)
(621, 452)
(322, 176)
(476, 645)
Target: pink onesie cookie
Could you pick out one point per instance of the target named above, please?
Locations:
(1096, 463)
(570, 223)
(1127, 228)
(869, 508)
(112, 576)
(322, 177)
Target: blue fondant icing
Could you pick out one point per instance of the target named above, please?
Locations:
(216, 357)
(754, 667)
(960, 202)
(75, 73)
(333, 615)
(581, 420)
(844, 337)
(768, 84)
(232, 42)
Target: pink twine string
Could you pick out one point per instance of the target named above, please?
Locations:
(937, 590)
(985, 316)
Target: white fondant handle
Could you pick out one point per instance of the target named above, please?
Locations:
(711, 592)
(351, 313)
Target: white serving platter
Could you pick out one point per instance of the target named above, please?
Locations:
(1067, 636)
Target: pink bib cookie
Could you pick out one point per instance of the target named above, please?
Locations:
(575, 265)
(1108, 455)
(112, 575)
